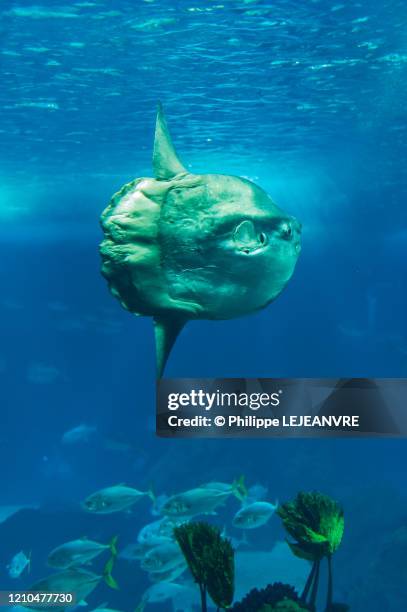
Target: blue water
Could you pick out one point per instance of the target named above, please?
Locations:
(307, 99)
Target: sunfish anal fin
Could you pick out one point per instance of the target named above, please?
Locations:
(166, 163)
(166, 331)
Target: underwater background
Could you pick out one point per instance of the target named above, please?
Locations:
(308, 99)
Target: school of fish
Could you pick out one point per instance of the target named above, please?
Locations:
(154, 549)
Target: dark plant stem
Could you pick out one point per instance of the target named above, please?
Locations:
(308, 584)
(330, 585)
(202, 589)
(314, 591)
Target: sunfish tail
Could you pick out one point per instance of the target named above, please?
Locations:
(166, 332)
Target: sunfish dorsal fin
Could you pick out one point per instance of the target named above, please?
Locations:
(165, 160)
(166, 331)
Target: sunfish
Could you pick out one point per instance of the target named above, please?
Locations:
(185, 246)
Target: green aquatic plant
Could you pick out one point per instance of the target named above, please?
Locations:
(210, 558)
(276, 596)
(286, 605)
(316, 523)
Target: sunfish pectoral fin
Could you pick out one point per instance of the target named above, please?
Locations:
(166, 332)
(166, 163)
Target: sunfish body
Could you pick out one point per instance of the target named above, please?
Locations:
(185, 246)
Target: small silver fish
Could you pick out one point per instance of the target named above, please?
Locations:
(78, 552)
(162, 558)
(194, 502)
(236, 542)
(169, 575)
(104, 608)
(114, 499)
(18, 563)
(150, 533)
(236, 488)
(254, 515)
(137, 551)
(74, 580)
(78, 434)
(134, 552)
(164, 591)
